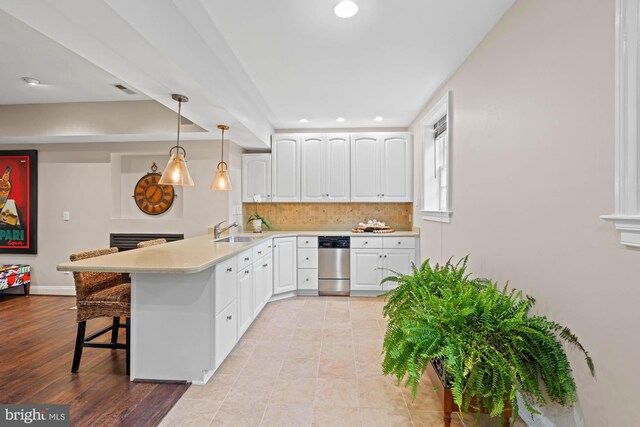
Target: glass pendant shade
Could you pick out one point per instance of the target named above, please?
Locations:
(176, 172)
(221, 181)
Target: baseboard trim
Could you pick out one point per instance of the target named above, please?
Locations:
(52, 290)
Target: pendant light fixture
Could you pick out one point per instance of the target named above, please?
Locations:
(176, 172)
(221, 181)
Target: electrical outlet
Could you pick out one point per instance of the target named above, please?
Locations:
(65, 216)
(237, 210)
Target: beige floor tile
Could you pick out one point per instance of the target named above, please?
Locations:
(257, 367)
(244, 347)
(251, 388)
(308, 349)
(333, 324)
(365, 324)
(379, 392)
(471, 420)
(239, 414)
(293, 391)
(232, 365)
(426, 398)
(189, 413)
(337, 335)
(336, 393)
(337, 350)
(309, 323)
(307, 334)
(364, 315)
(367, 335)
(300, 367)
(287, 416)
(338, 315)
(335, 417)
(386, 417)
(216, 389)
(270, 350)
(435, 419)
(337, 368)
(368, 350)
(369, 367)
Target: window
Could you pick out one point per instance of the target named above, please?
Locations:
(626, 216)
(436, 139)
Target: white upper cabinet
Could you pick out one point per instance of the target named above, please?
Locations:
(382, 168)
(256, 177)
(338, 167)
(313, 168)
(365, 168)
(324, 168)
(396, 177)
(285, 158)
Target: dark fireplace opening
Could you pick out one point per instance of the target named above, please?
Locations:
(128, 241)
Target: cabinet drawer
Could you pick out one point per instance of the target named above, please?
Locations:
(226, 332)
(308, 242)
(366, 242)
(399, 242)
(308, 279)
(245, 259)
(308, 258)
(262, 249)
(226, 283)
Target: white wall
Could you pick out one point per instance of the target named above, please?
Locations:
(532, 171)
(78, 178)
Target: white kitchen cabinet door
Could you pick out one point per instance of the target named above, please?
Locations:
(365, 269)
(338, 167)
(365, 168)
(284, 265)
(245, 299)
(259, 285)
(396, 170)
(285, 162)
(256, 177)
(268, 278)
(397, 260)
(226, 332)
(312, 168)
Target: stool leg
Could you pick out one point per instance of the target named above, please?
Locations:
(128, 350)
(26, 289)
(77, 354)
(114, 330)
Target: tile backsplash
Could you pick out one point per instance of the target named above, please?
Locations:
(297, 216)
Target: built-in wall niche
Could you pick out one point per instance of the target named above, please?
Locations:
(126, 170)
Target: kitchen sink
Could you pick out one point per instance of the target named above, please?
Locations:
(237, 239)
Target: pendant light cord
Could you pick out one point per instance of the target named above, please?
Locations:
(222, 157)
(179, 120)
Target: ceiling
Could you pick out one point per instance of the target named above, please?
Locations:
(385, 61)
(64, 75)
(252, 64)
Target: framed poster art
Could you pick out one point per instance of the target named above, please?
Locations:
(18, 201)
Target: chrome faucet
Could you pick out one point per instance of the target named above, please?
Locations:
(217, 231)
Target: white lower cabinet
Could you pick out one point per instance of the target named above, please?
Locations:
(399, 261)
(284, 260)
(226, 332)
(372, 258)
(262, 283)
(245, 299)
(308, 279)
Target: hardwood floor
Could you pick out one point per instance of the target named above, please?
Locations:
(37, 337)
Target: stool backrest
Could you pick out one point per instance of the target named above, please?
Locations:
(89, 282)
(153, 242)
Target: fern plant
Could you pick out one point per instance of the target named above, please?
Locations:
(492, 347)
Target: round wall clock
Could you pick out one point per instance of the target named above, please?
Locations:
(153, 198)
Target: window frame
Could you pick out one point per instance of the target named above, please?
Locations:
(440, 109)
(626, 216)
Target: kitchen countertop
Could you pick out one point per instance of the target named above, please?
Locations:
(195, 254)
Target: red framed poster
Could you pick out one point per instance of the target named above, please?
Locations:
(18, 201)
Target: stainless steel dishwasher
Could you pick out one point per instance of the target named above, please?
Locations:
(334, 265)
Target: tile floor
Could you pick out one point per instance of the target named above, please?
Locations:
(310, 361)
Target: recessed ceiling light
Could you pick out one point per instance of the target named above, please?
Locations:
(31, 81)
(378, 119)
(304, 121)
(346, 9)
(340, 119)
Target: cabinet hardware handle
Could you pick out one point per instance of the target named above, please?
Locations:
(307, 259)
(366, 242)
(399, 243)
(246, 272)
(306, 280)
(382, 195)
(259, 252)
(269, 246)
(306, 241)
(265, 265)
(229, 317)
(246, 259)
(380, 256)
(385, 256)
(229, 269)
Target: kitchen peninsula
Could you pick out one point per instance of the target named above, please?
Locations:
(192, 300)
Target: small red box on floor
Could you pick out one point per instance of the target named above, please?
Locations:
(15, 275)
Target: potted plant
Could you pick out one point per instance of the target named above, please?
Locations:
(490, 347)
(256, 222)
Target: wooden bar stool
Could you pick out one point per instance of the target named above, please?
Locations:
(101, 295)
(153, 242)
